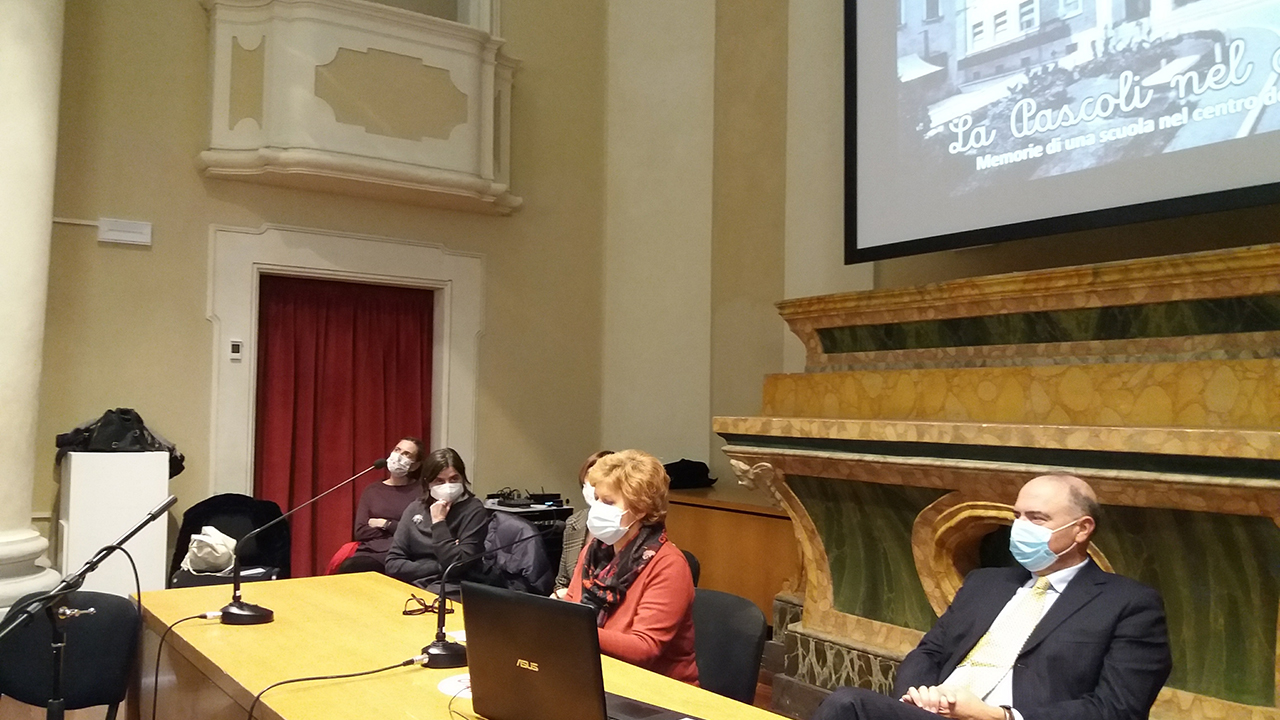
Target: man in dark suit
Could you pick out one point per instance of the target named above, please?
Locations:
(1055, 639)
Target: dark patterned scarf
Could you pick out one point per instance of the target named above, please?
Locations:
(606, 577)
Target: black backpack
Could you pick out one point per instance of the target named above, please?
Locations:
(689, 474)
(119, 430)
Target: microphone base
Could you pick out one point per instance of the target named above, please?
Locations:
(444, 654)
(238, 612)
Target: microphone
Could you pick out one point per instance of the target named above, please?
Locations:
(238, 612)
(442, 652)
(75, 580)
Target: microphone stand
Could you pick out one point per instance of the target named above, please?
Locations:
(54, 605)
(239, 612)
(442, 652)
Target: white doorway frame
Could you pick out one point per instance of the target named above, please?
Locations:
(238, 257)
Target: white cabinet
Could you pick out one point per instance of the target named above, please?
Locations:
(102, 496)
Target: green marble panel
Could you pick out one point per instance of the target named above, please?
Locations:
(1220, 579)
(866, 530)
(1180, 318)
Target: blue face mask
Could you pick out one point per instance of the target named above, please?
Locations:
(1029, 544)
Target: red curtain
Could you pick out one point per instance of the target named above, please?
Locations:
(344, 371)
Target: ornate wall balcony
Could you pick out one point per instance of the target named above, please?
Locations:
(362, 98)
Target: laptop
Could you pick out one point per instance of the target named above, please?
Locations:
(537, 658)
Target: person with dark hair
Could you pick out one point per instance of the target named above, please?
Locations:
(1058, 638)
(445, 524)
(636, 579)
(575, 528)
(382, 504)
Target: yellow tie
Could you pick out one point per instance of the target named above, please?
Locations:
(996, 652)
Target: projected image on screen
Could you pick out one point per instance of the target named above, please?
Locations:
(998, 91)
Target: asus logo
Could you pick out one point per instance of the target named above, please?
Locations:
(527, 665)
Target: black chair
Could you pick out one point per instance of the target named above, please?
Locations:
(728, 636)
(100, 653)
(235, 515)
(695, 568)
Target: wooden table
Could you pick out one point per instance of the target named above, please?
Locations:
(332, 625)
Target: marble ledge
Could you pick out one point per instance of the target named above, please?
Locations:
(1215, 273)
(1205, 442)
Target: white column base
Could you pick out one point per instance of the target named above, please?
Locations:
(19, 574)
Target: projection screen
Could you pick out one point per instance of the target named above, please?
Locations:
(976, 121)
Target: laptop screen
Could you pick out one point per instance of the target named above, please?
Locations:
(531, 657)
(536, 658)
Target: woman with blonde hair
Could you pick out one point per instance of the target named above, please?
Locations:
(637, 580)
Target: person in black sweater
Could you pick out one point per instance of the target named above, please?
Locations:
(382, 504)
(446, 524)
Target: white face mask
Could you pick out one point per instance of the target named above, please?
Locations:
(605, 522)
(589, 494)
(447, 492)
(398, 465)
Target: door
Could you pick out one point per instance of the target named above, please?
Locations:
(344, 371)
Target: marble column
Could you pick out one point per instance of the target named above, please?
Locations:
(31, 55)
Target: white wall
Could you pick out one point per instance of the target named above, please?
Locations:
(815, 162)
(656, 373)
(134, 116)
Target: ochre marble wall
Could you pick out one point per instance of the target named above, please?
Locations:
(1242, 394)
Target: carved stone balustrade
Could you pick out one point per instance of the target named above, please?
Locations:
(361, 98)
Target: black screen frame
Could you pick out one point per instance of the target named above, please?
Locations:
(1184, 206)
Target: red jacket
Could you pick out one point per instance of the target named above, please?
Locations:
(653, 627)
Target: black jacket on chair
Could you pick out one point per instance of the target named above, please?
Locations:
(1100, 652)
(518, 560)
(236, 515)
